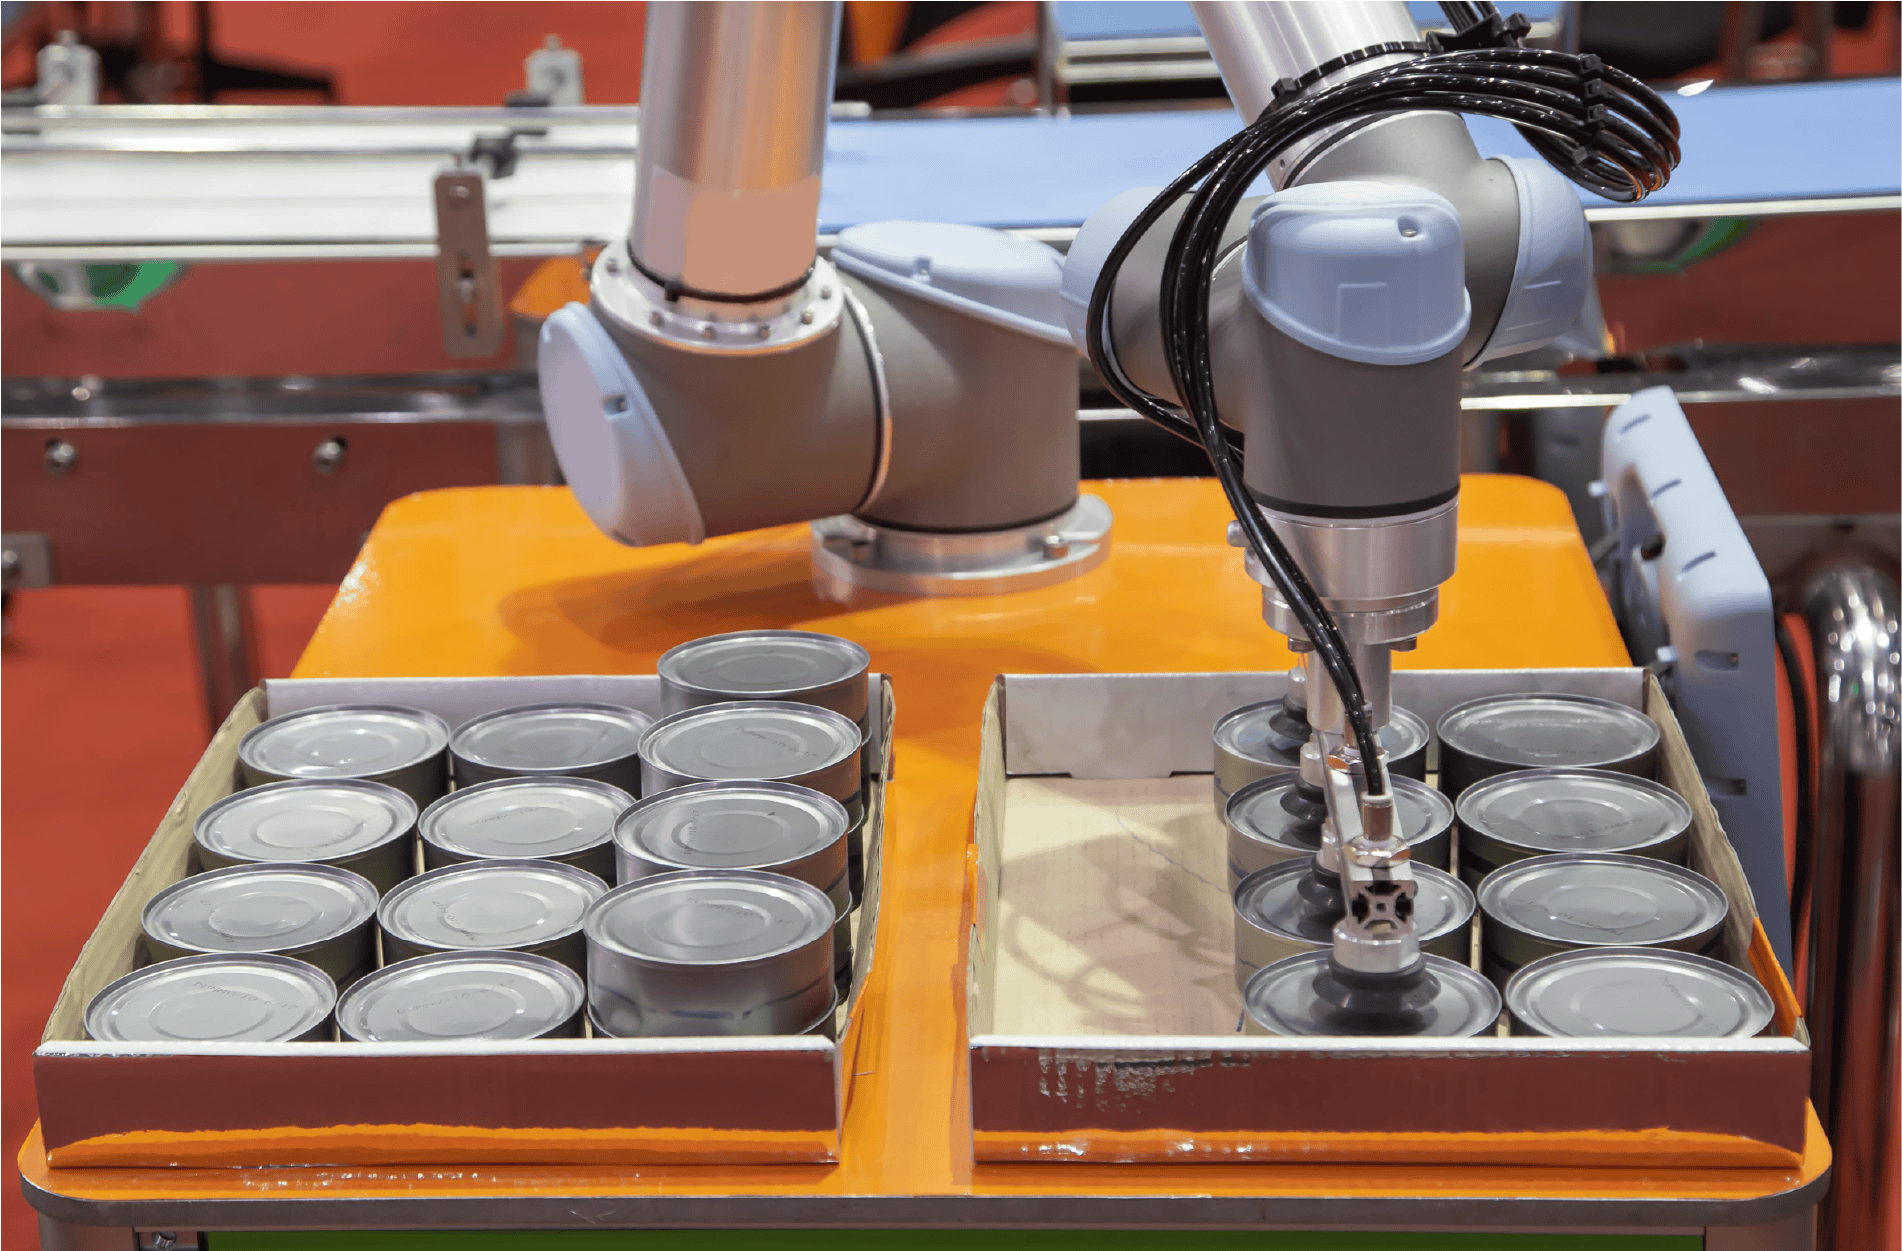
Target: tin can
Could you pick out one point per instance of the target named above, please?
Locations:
(723, 952)
(1635, 992)
(763, 741)
(402, 747)
(216, 998)
(316, 913)
(769, 826)
(365, 827)
(1501, 733)
(1273, 919)
(534, 906)
(1549, 904)
(1540, 812)
(1281, 1000)
(826, 1027)
(464, 996)
(1278, 819)
(568, 820)
(1264, 740)
(575, 740)
(792, 666)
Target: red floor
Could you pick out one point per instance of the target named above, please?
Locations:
(102, 722)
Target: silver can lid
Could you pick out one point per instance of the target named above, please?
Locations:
(1281, 998)
(1258, 812)
(459, 996)
(753, 741)
(763, 664)
(260, 908)
(213, 998)
(524, 818)
(1637, 992)
(550, 738)
(491, 904)
(302, 821)
(1546, 811)
(1547, 731)
(343, 741)
(1604, 901)
(1249, 733)
(710, 916)
(731, 825)
(1270, 899)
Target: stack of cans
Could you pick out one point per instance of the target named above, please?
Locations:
(738, 873)
(1571, 859)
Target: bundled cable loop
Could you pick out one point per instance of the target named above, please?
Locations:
(1596, 124)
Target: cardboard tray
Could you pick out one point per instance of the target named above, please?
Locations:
(1104, 1020)
(595, 1100)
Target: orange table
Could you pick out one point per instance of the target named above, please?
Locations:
(504, 580)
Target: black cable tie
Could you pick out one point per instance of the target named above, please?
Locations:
(1293, 86)
(1492, 31)
(1589, 66)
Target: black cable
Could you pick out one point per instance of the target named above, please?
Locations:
(1805, 767)
(1599, 126)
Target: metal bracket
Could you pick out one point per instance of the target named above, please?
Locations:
(468, 284)
(26, 561)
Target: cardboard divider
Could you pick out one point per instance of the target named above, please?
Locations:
(678, 1100)
(1104, 1020)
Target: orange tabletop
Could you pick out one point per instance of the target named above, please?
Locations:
(512, 580)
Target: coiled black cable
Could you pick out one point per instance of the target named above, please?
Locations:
(1597, 125)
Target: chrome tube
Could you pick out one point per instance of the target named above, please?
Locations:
(1853, 931)
(734, 103)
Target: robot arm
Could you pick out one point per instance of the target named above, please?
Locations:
(1327, 325)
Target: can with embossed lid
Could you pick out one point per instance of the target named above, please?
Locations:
(773, 827)
(1636, 992)
(1448, 1000)
(569, 739)
(1278, 819)
(723, 952)
(317, 913)
(216, 998)
(1264, 740)
(464, 996)
(795, 666)
(1541, 812)
(534, 906)
(570, 820)
(1501, 733)
(1548, 904)
(402, 747)
(1281, 912)
(365, 827)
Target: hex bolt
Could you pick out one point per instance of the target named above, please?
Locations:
(611, 264)
(328, 458)
(61, 457)
(706, 330)
(460, 191)
(82, 393)
(1056, 546)
(656, 320)
(805, 318)
(764, 332)
(825, 293)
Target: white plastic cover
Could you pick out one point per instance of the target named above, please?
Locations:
(612, 448)
(1367, 271)
(1089, 250)
(988, 274)
(1553, 273)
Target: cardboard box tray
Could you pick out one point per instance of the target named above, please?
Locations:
(684, 1100)
(1104, 1019)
